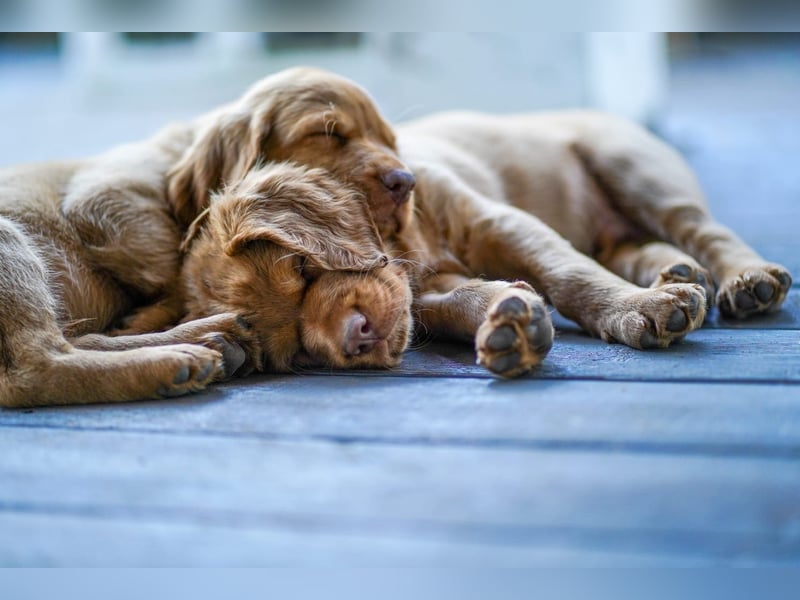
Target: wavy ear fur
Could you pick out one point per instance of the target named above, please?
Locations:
(302, 210)
(225, 147)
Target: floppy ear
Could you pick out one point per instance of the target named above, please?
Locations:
(302, 210)
(226, 146)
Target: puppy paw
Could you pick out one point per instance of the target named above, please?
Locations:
(186, 368)
(233, 355)
(517, 333)
(229, 334)
(657, 317)
(758, 289)
(687, 272)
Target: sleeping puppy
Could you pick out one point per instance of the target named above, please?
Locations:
(583, 210)
(93, 247)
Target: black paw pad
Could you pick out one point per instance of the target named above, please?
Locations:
(725, 306)
(677, 321)
(764, 291)
(539, 338)
(182, 376)
(744, 300)
(512, 307)
(501, 338)
(785, 280)
(680, 270)
(504, 363)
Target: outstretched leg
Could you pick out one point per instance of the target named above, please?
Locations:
(226, 333)
(656, 264)
(509, 322)
(39, 367)
(651, 185)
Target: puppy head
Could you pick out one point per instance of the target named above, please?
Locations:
(297, 255)
(306, 116)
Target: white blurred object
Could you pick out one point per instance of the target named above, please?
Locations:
(104, 89)
(627, 73)
(409, 73)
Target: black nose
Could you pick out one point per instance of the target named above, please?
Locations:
(399, 183)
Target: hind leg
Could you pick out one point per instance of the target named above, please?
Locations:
(649, 183)
(38, 366)
(656, 264)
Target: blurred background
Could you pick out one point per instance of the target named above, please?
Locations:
(75, 94)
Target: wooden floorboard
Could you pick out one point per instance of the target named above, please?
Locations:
(746, 508)
(50, 539)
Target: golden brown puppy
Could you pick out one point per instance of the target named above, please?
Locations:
(588, 210)
(93, 247)
(603, 219)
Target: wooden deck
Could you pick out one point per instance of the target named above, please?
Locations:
(606, 455)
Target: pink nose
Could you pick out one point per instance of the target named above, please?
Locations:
(359, 337)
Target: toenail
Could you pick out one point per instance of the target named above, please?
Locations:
(505, 363)
(182, 376)
(512, 307)
(501, 338)
(764, 291)
(677, 321)
(744, 300)
(681, 270)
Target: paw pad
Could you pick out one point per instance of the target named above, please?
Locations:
(757, 290)
(516, 334)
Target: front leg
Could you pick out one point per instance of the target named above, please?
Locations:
(227, 333)
(508, 243)
(509, 322)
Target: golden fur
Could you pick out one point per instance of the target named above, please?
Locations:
(282, 231)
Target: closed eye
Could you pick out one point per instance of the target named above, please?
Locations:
(307, 270)
(339, 138)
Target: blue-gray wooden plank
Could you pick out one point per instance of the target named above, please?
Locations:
(109, 540)
(745, 508)
(618, 417)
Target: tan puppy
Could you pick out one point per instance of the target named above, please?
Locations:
(600, 217)
(90, 247)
